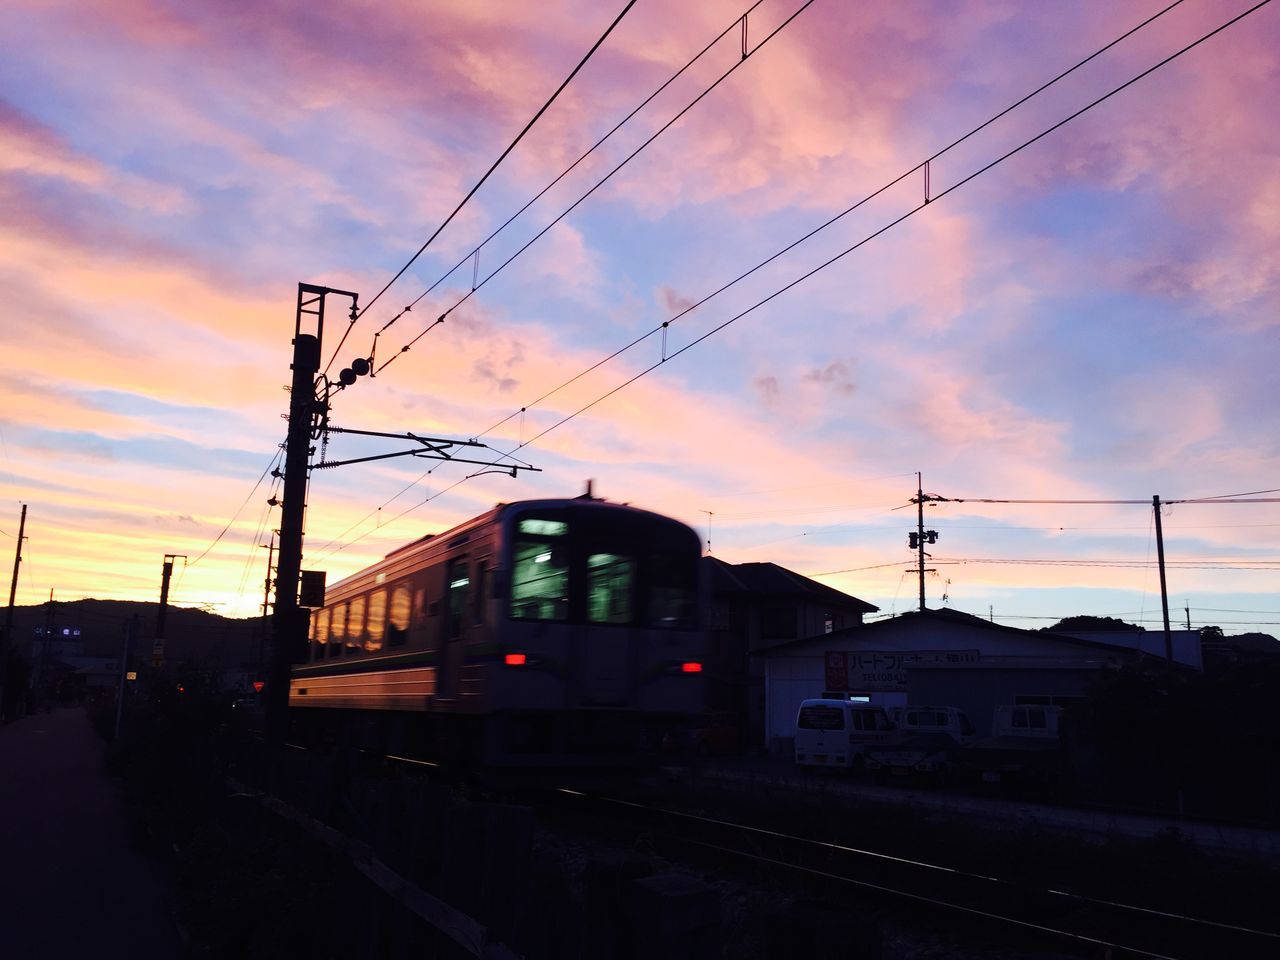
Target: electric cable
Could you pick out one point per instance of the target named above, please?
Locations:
(848, 250)
(605, 179)
(564, 173)
(272, 464)
(839, 216)
(839, 256)
(520, 136)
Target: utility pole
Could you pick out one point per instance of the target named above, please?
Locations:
(8, 617)
(1187, 607)
(130, 634)
(41, 666)
(157, 649)
(917, 538)
(309, 395)
(290, 621)
(1164, 589)
(266, 601)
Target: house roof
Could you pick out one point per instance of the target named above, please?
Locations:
(769, 579)
(949, 617)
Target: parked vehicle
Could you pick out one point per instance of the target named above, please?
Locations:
(836, 733)
(953, 722)
(925, 743)
(1025, 747)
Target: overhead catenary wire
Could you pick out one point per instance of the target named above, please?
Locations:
(889, 226)
(867, 239)
(564, 173)
(839, 216)
(601, 182)
(520, 136)
(275, 460)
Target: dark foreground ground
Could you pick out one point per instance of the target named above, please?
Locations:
(72, 884)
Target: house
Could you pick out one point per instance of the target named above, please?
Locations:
(755, 607)
(942, 657)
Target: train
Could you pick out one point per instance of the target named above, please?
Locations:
(543, 631)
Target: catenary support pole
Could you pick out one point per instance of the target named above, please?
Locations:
(290, 620)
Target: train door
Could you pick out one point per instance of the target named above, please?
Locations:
(607, 635)
(457, 589)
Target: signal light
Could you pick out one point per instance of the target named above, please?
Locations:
(257, 686)
(691, 666)
(515, 659)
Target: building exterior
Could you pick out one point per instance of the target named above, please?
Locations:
(755, 607)
(945, 657)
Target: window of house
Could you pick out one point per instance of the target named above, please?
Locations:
(610, 586)
(376, 626)
(398, 616)
(778, 623)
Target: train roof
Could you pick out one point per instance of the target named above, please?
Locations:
(490, 516)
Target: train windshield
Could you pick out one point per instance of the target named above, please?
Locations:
(598, 566)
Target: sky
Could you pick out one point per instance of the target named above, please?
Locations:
(1093, 319)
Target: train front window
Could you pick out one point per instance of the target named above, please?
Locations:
(610, 583)
(672, 592)
(539, 579)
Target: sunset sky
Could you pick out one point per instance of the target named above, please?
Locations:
(1096, 318)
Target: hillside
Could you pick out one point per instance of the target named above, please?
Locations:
(193, 635)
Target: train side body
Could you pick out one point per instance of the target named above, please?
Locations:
(542, 627)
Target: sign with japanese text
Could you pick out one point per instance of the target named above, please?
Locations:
(860, 671)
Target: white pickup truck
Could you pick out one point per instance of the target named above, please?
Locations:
(924, 744)
(1024, 747)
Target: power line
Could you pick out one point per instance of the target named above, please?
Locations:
(274, 461)
(541, 233)
(822, 266)
(839, 216)
(520, 136)
(564, 173)
(972, 176)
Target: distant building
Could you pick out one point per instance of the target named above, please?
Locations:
(946, 657)
(756, 607)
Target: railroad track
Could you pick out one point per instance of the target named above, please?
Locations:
(1090, 926)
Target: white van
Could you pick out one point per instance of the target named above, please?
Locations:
(949, 720)
(834, 733)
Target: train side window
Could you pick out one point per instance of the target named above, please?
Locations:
(398, 616)
(479, 593)
(377, 620)
(355, 624)
(458, 579)
(337, 630)
(320, 633)
(539, 581)
(610, 582)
